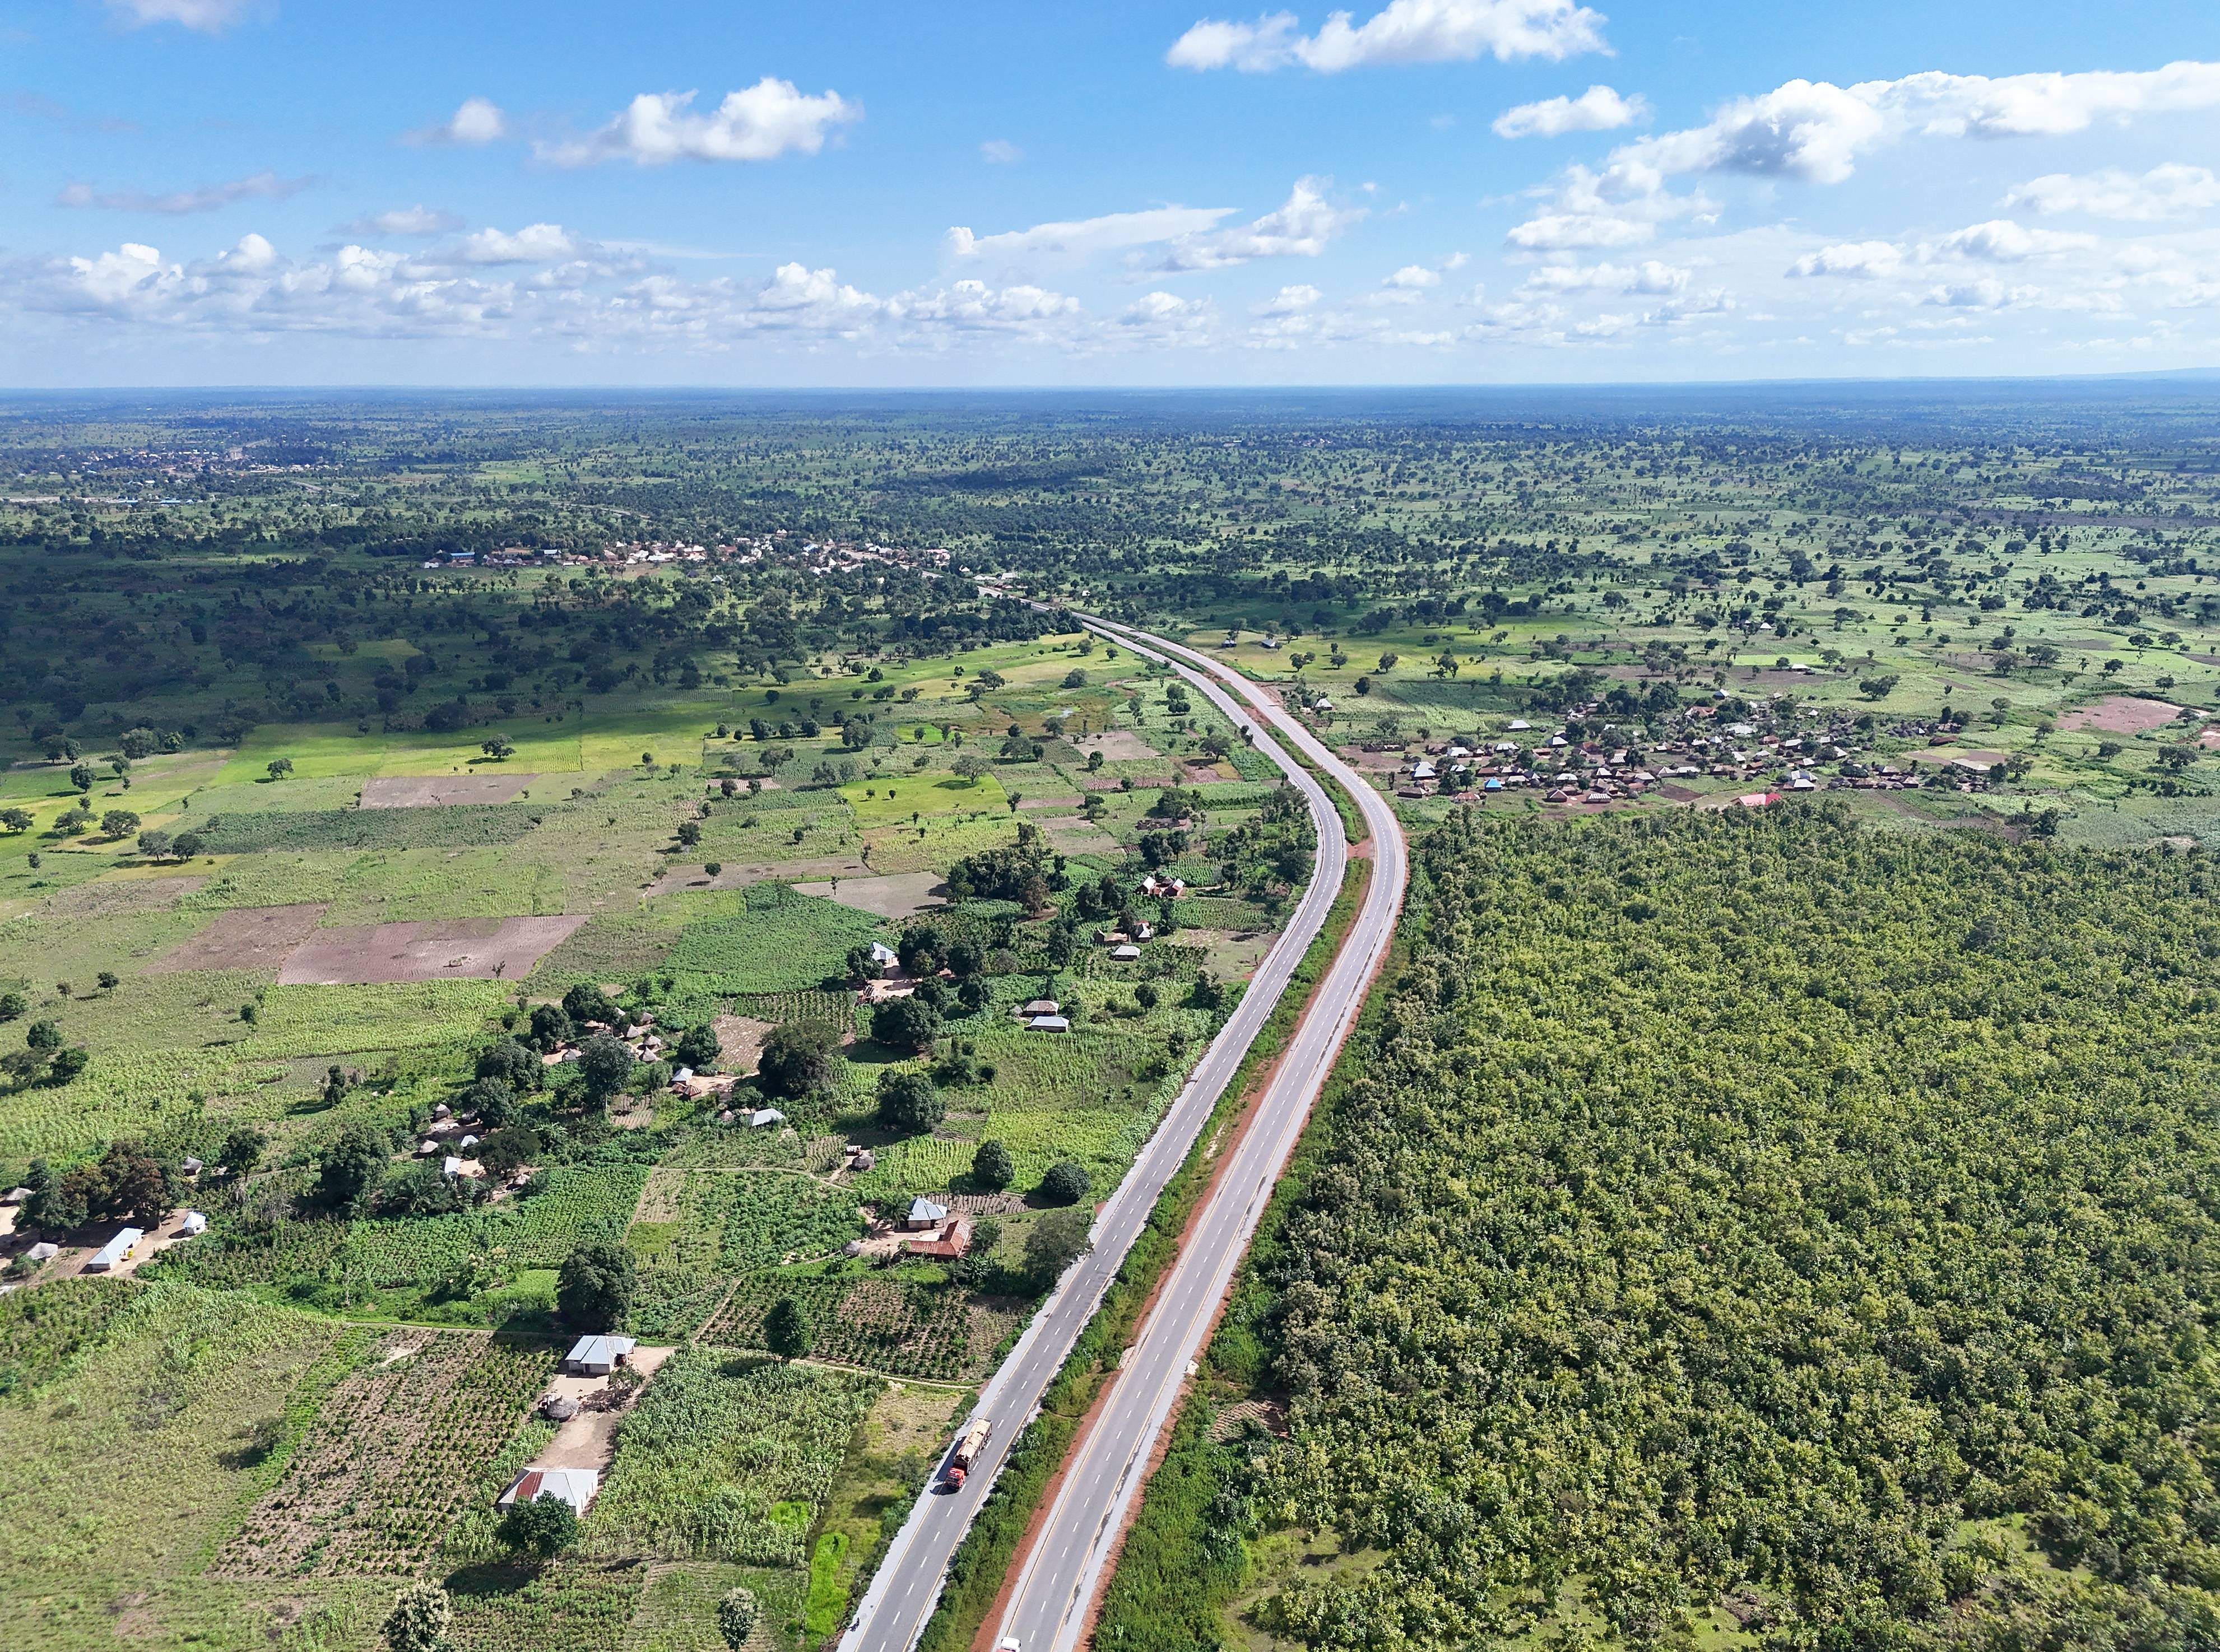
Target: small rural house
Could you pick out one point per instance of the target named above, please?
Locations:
(1041, 1006)
(598, 1355)
(194, 1222)
(924, 1214)
(450, 1166)
(950, 1242)
(763, 1116)
(114, 1251)
(576, 1486)
(1126, 953)
(1049, 1024)
(884, 957)
(45, 1250)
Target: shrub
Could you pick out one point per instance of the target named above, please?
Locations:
(1066, 1183)
(736, 1617)
(418, 1622)
(543, 1528)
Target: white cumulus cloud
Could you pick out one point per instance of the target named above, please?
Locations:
(1649, 277)
(1001, 151)
(1816, 132)
(1289, 301)
(1598, 109)
(1404, 31)
(2002, 241)
(208, 16)
(1859, 260)
(1300, 226)
(534, 244)
(771, 118)
(2173, 190)
(1083, 237)
(418, 220)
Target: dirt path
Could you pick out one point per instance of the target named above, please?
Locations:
(587, 1440)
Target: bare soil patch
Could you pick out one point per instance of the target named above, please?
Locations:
(431, 791)
(588, 1440)
(895, 895)
(2120, 714)
(481, 947)
(734, 874)
(1072, 836)
(1052, 800)
(247, 937)
(120, 897)
(740, 1037)
(1116, 746)
(1229, 954)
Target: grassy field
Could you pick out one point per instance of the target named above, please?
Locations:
(333, 1397)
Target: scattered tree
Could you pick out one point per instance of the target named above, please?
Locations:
(594, 1287)
(1065, 1183)
(909, 1103)
(786, 1329)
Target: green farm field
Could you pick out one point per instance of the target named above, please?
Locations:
(356, 1378)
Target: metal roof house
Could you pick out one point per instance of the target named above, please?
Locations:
(194, 1222)
(923, 1213)
(598, 1355)
(114, 1251)
(576, 1486)
(1049, 1024)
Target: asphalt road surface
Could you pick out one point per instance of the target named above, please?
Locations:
(1066, 1566)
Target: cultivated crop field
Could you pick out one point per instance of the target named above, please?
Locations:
(416, 1431)
(323, 957)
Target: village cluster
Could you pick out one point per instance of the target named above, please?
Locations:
(1589, 761)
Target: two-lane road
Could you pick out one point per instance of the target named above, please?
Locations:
(1067, 1564)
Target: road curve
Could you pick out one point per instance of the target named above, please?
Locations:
(907, 1586)
(1060, 1578)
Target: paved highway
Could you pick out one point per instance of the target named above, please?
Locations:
(1060, 1578)
(1066, 1565)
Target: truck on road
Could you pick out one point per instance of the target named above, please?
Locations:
(967, 1447)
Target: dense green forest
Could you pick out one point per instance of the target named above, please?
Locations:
(1743, 1227)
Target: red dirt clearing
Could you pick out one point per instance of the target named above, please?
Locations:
(2120, 714)
(473, 947)
(247, 937)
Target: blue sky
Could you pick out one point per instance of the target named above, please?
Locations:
(1416, 191)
